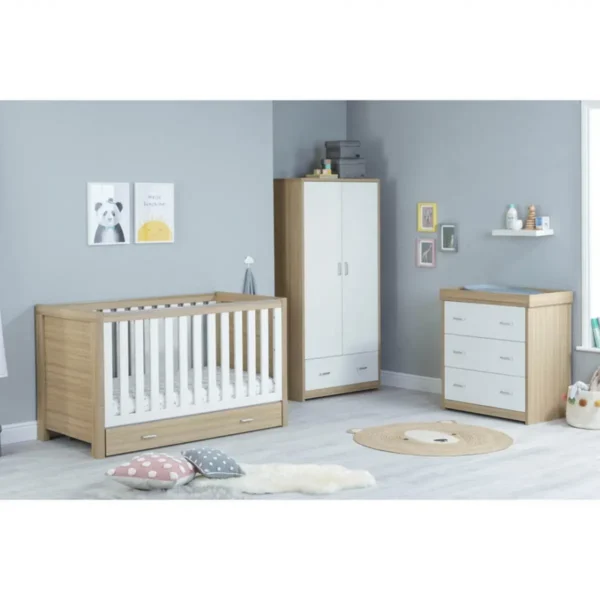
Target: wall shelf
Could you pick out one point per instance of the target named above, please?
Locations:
(523, 232)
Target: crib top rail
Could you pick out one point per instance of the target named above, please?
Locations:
(173, 306)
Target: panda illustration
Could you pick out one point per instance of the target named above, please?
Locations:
(108, 215)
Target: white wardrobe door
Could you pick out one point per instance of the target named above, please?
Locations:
(360, 235)
(322, 269)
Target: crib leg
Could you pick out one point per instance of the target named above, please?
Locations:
(98, 446)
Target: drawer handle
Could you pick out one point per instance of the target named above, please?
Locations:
(507, 323)
(324, 373)
(458, 385)
(458, 319)
(506, 358)
(149, 436)
(457, 352)
(249, 420)
(505, 393)
(361, 368)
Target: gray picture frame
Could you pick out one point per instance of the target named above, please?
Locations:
(448, 237)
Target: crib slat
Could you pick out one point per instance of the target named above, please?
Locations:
(139, 365)
(238, 354)
(251, 350)
(124, 368)
(211, 342)
(154, 367)
(108, 372)
(277, 352)
(264, 350)
(225, 390)
(197, 357)
(183, 359)
(169, 391)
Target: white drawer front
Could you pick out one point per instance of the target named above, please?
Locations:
(485, 320)
(485, 389)
(335, 371)
(480, 354)
(360, 368)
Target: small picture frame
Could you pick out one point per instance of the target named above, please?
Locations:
(425, 253)
(426, 217)
(448, 238)
(108, 214)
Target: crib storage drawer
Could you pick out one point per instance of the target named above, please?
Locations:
(131, 438)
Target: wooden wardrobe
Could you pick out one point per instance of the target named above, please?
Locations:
(327, 266)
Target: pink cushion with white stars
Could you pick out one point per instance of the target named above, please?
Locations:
(153, 471)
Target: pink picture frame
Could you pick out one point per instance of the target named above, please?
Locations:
(425, 252)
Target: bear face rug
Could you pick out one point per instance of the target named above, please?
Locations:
(442, 438)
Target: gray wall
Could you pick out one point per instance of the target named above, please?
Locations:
(218, 154)
(300, 129)
(473, 159)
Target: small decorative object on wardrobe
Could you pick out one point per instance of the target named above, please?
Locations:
(425, 253)
(345, 159)
(448, 238)
(426, 217)
(249, 281)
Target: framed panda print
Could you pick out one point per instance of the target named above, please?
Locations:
(109, 214)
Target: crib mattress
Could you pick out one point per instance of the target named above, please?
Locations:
(188, 394)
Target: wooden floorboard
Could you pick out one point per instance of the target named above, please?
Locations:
(548, 460)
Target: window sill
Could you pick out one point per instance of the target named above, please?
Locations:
(586, 349)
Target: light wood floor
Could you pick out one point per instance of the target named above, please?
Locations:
(549, 460)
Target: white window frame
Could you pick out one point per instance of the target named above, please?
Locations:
(587, 343)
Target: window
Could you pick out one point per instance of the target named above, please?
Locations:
(590, 220)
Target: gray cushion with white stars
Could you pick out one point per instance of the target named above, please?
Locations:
(213, 463)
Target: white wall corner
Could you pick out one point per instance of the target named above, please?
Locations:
(18, 432)
(433, 385)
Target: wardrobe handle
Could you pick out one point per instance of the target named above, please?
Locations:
(246, 420)
(324, 373)
(361, 368)
(149, 436)
(339, 268)
(346, 267)
(505, 393)
(506, 358)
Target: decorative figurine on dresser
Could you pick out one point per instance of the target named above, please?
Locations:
(327, 266)
(506, 351)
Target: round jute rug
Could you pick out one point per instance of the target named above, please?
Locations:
(442, 438)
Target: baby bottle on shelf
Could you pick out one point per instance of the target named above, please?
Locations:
(511, 217)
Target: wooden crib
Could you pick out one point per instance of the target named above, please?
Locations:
(138, 374)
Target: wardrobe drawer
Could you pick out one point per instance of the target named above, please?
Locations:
(143, 436)
(480, 354)
(336, 371)
(485, 320)
(323, 373)
(485, 389)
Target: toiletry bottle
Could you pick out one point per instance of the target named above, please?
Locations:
(511, 217)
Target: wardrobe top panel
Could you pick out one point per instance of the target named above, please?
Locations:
(313, 179)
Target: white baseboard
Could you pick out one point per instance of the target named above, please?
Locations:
(18, 432)
(433, 385)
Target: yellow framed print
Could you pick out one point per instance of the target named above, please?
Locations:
(426, 217)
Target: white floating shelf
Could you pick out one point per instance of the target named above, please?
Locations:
(523, 232)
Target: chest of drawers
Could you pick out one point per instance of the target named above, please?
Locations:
(506, 355)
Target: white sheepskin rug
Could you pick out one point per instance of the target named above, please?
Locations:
(259, 479)
(282, 478)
